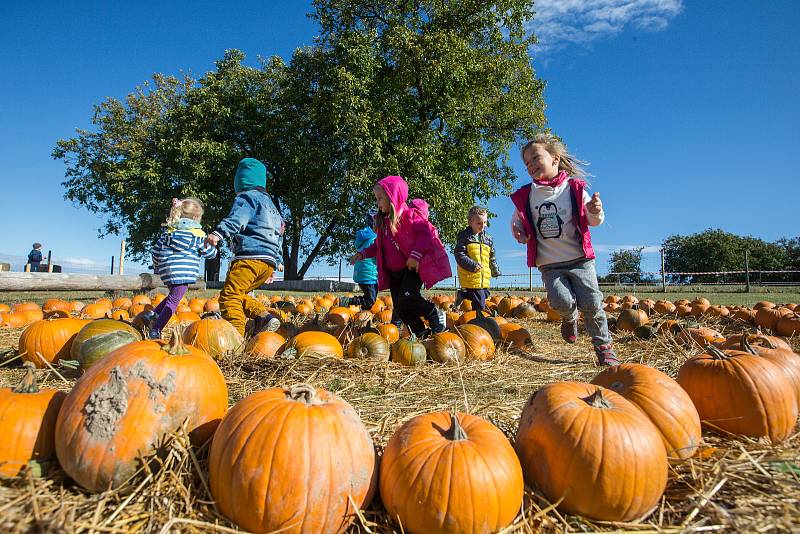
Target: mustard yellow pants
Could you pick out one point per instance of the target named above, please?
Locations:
(234, 302)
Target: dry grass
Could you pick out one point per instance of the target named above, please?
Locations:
(734, 484)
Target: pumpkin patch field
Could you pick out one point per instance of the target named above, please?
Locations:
(339, 421)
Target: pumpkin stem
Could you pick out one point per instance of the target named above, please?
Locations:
(456, 433)
(746, 346)
(715, 352)
(28, 383)
(303, 393)
(597, 400)
(176, 347)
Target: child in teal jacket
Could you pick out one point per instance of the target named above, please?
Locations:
(365, 272)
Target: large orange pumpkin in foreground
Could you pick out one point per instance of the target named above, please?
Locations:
(444, 473)
(292, 460)
(128, 401)
(27, 419)
(662, 400)
(740, 393)
(593, 450)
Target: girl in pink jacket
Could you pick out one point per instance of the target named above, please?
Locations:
(552, 218)
(409, 254)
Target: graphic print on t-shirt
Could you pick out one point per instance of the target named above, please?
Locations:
(549, 222)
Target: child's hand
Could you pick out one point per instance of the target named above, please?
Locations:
(412, 264)
(521, 237)
(280, 267)
(212, 239)
(354, 258)
(595, 205)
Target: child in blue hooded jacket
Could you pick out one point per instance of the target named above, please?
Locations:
(255, 228)
(365, 272)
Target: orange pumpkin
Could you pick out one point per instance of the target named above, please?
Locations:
(29, 415)
(384, 316)
(631, 319)
(553, 316)
(140, 299)
(216, 337)
(122, 302)
(389, 332)
(48, 340)
(478, 342)
(125, 404)
(740, 393)
(313, 344)
(515, 335)
(267, 472)
(95, 311)
(445, 347)
(443, 473)
(592, 451)
(369, 346)
(264, 345)
(56, 305)
(662, 400)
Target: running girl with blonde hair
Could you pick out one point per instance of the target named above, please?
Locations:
(176, 258)
(552, 217)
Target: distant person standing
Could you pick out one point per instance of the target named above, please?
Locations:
(35, 257)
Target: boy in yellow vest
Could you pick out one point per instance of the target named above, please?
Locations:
(476, 260)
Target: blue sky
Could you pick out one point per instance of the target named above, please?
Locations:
(687, 111)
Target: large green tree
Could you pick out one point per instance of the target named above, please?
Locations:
(716, 251)
(437, 91)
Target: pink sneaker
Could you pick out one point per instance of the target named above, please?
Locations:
(569, 331)
(606, 355)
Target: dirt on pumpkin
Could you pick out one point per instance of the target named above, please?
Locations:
(733, 484)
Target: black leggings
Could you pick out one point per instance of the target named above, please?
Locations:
(409, 303)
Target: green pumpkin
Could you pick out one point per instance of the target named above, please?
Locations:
(409, 351)
(101, 337)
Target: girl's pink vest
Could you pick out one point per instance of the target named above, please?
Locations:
(521, 199)
(415, 237)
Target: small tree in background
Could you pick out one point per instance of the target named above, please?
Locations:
(626, 260)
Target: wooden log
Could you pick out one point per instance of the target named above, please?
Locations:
(11, 281)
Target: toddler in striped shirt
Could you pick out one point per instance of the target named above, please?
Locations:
(176, 257)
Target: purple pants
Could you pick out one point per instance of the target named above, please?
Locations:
(167, 307)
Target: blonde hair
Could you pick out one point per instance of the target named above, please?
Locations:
(379, 218)
(190, 208)
(477, 211)
(567, 162)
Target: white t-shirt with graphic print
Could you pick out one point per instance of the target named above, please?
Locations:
(556, 228)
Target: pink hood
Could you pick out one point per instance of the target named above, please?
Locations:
(416, 237)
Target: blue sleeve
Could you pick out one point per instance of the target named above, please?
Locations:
(205, 250)
(236, 221)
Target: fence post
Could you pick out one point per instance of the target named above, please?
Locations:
(49, 262)
(112, 264)
(530, 279)
(747, 271)
(121, 269)
(663, 274)
(27, 267)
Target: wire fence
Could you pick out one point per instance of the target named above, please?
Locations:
(651, 277)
